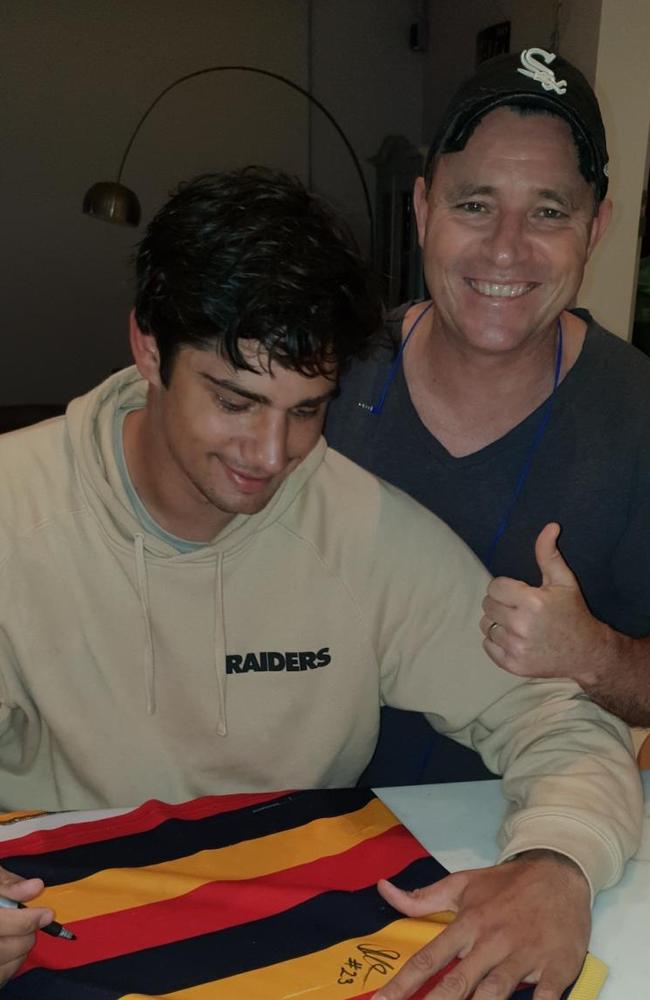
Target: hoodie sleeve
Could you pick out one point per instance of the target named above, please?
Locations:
(567, 767)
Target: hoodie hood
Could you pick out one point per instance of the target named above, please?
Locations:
(90, 422)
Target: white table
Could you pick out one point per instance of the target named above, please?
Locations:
(459, 822)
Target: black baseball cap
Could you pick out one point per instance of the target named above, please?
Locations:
(530, 79)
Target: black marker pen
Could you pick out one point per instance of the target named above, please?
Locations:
(54, 928)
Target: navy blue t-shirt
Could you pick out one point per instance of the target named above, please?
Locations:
(590, 473)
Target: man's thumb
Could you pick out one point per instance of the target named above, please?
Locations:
(549, 559)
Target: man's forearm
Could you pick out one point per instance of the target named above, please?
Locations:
(619, 678)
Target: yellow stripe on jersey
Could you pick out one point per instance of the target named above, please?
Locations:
(590, 981)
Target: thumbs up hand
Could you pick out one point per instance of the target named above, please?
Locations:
(545, 631)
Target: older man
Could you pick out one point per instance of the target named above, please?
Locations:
(504, 410)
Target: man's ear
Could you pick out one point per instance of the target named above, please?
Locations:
(599, 225)
(421, 206)
(145, 352)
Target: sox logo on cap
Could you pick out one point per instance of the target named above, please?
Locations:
(540, 72)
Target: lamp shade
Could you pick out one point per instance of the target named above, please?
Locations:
(112, 202)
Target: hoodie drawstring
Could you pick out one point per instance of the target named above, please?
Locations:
(143, 593)
(220, 648)
(149, 664)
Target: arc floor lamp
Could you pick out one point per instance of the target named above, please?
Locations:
(112, 201)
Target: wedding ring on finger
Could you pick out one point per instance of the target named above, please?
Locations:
(491, 628)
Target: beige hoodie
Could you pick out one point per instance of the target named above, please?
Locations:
(130, 671)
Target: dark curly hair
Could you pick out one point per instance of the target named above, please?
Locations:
(251, 254)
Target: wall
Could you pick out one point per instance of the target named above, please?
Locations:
(623, 88)
(579, 28)
(76, 78)
(365, 73)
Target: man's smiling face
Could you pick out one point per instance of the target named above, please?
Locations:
(506, 228)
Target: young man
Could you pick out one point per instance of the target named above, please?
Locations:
(198, 597)
(511, 413)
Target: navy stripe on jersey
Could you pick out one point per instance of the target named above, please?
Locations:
(177, 838)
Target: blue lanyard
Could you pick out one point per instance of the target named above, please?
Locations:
(545, 416)
(377, 407)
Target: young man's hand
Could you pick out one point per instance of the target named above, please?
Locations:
(18, 927)
(527, 919)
